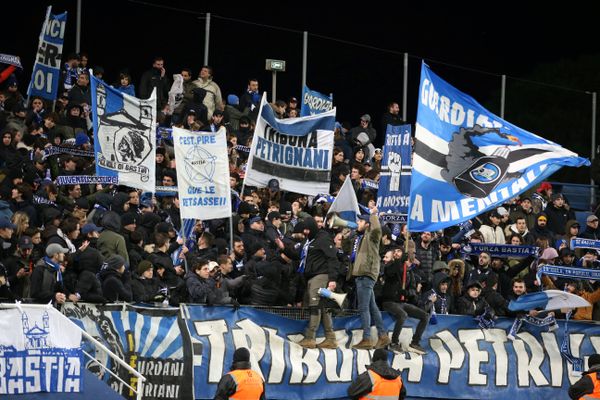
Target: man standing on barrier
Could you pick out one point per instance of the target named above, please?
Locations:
(241, 382)
(365, 268)
(379, 381)
(319, 264)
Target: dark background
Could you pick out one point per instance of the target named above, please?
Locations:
(549, 52)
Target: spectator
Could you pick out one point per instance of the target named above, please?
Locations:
(591, 228)
(558, 214)
(47, 277)
(116, 281)
(213, 99)
(472, 303)
(81, 94)
(111, 241)
(144, 286)
(492, 231)
(201, 288)
(156, 77)
(125, 85)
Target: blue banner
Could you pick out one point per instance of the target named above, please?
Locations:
(394, 184)
(463, 361)
(147, 338)
(500, 250)
(314, 102)
(468, 161)
(46, 70)
(581, 243)
(568, 272)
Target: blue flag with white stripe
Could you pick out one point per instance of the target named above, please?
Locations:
(394, 183)
(314, 102)
(468, 161)
(46, 70)
(124, 136)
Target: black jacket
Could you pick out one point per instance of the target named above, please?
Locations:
(145, 290)
(363, 385)
(392, 288)
(322, 254)
(466, 305)
(116, 287)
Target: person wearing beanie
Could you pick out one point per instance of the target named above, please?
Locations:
(116, 281)
(379, 381)
(241, 382)
(589, 384)
(144, 286)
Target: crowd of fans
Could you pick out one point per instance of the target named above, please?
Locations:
(107, 243)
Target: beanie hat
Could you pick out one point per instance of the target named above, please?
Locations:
(380, 355)
(143, 266)
(81, 138)
(115, 262)
(128, 218)
(241, 354)
(233, 100)
(549, 253)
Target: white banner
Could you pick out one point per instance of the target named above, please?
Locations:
(295, 151)
(124, 136)
(202, 174)
(39, 352)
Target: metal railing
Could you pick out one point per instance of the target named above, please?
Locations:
(138, 390)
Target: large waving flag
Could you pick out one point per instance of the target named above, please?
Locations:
(124, 136)
(46, 70)
(468, 160)
(547, 300)
(346, 203)
(296, 151)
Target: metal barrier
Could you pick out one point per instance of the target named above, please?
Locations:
(140, 378)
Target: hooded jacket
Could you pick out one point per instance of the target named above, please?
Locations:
(447, 298)
(115, 286)
(322, 254)
(110, 241)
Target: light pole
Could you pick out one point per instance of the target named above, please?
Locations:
(274, 66)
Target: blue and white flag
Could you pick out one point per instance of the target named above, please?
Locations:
(346, 204)
(547, 300)
(394, 184)
(39, 351)
(46, 70)
(202, 174)
(314, 103)
(124, 136)
(468, 160)
(500, 250)
(295, 151)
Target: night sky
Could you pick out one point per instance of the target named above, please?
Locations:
(514, 39)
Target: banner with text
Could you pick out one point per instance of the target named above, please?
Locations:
(202, 174)
(46, 70)
(468, 160)
(148, 339)
(394, 184)
(462, 361)
(38, 352)
(314, 102)
(124, 136)
(296, 151)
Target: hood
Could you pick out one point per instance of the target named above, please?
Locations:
(112, 221)
(569, 224)
(312, 226)
(440, 278)
(107, 273)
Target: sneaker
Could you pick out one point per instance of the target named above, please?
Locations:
(328, 344)
(396, 348)
(416, 348)
(365, 344)
(382, 342)
(308, 343)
